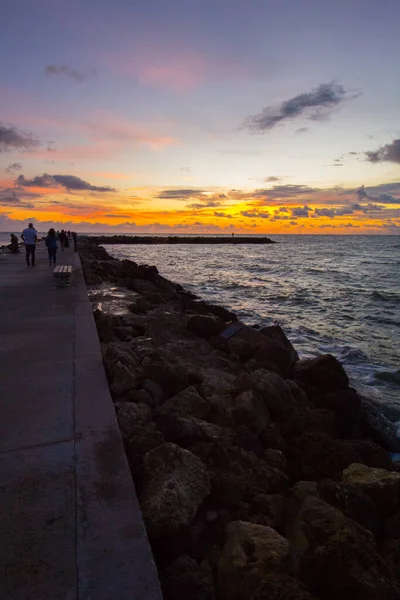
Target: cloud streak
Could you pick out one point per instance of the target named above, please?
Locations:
(66, 71)
(70, 182)
(315, 105)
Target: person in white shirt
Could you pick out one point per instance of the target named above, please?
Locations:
(29, 235)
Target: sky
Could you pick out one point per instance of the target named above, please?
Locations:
(262, 116)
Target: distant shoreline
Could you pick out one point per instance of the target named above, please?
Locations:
(130, 239)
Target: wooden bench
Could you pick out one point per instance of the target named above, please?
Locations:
(63, 275)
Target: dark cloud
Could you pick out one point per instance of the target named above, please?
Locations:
(9, 197)
(205, 204)
(284, 191)
(70, 182)
(272, 179)
(221, 214)
(302, 130)
(301, 212)
(14, 167)
(325, 212)
(315, 105)
(67, 71)
(179, 194)
(383, 198)
(387, 153)
(117, 216)
(254, 214)
(11, 139)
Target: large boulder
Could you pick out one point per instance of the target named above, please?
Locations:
(131, 270)
(250, 343)
(346, 406)
(250, 410)
(382, 486)
(130, 415)
(187, 403)
(250, 552)
(352, 502)
(203, 308)
(299, 420)
(186, 431)
(175, 482)
(236, 474)
(315, 455)
(347, 566)
(276, 333)
(324, 372)
(123, 379)
(204, 325)
(143, 438)
(171, 377)
(118, 351)
(276, 393)
(184, 578)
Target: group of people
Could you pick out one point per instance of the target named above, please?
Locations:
(30, 236)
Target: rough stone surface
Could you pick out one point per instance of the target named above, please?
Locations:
(185, 579)
(382, 486)
(250, 551)
(324, 372)
(249, 410)
(130, 415)
(188, 403)
(175, 482)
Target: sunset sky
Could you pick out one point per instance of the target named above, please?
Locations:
(262, 116)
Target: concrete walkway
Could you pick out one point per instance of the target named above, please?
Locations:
(70, 523)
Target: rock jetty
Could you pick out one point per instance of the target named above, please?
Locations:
(175, 239)
(258, 477)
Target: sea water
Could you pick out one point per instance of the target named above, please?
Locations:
(337, 294)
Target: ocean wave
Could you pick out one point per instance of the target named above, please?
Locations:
(385, 296)
(389, 376)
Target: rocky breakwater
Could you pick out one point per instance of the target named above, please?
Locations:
(175, 239)
(257, 475)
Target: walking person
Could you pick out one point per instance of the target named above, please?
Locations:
(51, 243)
(29, 236)
(62, 238)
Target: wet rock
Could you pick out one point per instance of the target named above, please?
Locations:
(130, 415)
(250, 551)
(186, 431)
(250, 410)
(188, 403)
(205, 325)
(185, 579)
(346, 406)
(131, 270)
(203, 308)
(141, 286)
(175, 482)
(382, 486)
(278, 586)
(372, 455)
(251, 344)
(276, 333)
(122, 379)
(324, 372)
(315, 456)
(246, 439)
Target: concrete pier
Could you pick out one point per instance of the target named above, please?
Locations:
(70, 523)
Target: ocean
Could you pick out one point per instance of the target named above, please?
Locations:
(337, 294)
